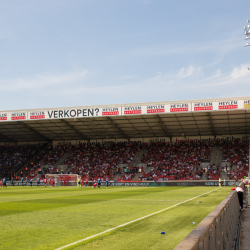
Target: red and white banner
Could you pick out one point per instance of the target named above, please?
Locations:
(132, 110)
(179, 107)
(110, 111)
(199, 106)
(18, 116)
(127, 109)
(37, 115)
(3, 117)
(155, 109)
(228, 105)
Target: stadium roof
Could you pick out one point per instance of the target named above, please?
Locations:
(209, 117)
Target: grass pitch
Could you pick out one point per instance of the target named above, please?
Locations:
(49, 218)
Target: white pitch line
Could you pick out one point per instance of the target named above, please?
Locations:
(143, 200)
(125, 224)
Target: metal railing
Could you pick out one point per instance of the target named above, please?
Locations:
(218, 230)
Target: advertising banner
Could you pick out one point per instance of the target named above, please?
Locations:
(111, 111)
(132, 110)
(180, 107)
(202, 106)
(18, 116)
(37, 115)
(246, 104)
(3, 116)
(158, 108)
(228, 105)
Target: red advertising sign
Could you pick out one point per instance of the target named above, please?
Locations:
(37, 115)
(180, 107)
(203, 106)
(132, 110)
(110, 111)
(3, 117)
(18, 116)
(228, 105)
(155, 109)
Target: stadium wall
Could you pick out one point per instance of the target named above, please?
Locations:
(150, 183)
(156, 139)
(139, 140)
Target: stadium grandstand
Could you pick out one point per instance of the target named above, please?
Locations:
(203, 144)
(180, 140)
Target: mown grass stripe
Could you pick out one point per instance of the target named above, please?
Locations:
(127, 223)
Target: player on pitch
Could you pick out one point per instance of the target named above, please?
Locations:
(99, 182)
(79, 181)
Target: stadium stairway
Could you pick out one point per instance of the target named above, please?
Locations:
(223, 176)
(216, 157)
(137, 160)
(62, 159)
(138, 157)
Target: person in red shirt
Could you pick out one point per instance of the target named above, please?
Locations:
(86, 182)
(240, 193)
(81, 183)
(1, 183)
(45, 182)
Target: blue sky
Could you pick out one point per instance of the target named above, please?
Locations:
(62, 53)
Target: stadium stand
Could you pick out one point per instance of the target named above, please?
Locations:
(161, 161)
(92, 161)
(178, 161)
(235, 157)
(13, 159)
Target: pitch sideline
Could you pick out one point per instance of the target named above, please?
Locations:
(127, 223)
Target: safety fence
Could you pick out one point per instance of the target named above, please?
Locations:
(219, 230)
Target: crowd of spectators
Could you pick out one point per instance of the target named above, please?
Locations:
(56, 152)
(236, 154)
(93, 161)
(212, 172)
(178, 161)
(164, 161)
(13, 158)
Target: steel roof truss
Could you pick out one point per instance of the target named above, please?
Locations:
(164, 126)
(82, 136)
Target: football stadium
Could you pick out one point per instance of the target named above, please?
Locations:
(129, 176)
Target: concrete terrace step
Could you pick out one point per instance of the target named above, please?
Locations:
(62, 159)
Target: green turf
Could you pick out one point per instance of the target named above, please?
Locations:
(49, 218)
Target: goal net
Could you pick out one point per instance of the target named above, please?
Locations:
(63, 179)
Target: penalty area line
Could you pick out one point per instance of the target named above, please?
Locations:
(125, 224)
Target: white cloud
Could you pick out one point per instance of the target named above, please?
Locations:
(39, 81)
(240, 72)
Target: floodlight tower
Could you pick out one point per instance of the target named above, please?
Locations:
(247, 33)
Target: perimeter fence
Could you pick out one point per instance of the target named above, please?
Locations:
(220, 230)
